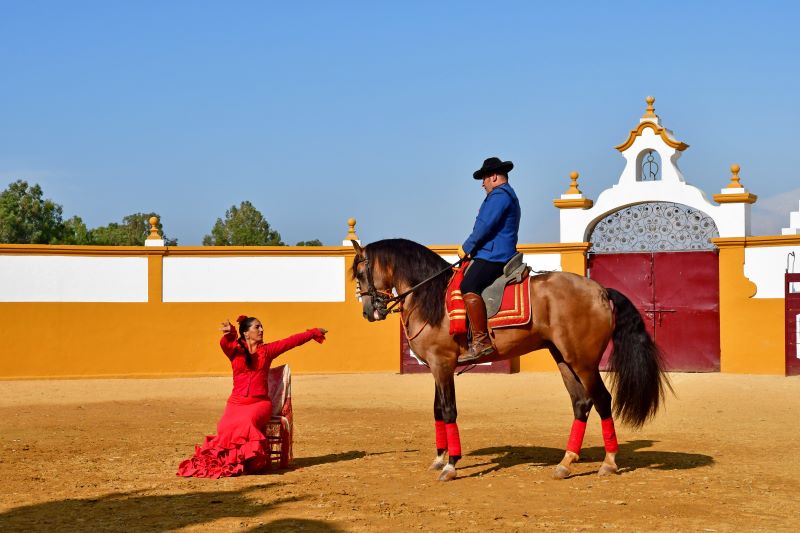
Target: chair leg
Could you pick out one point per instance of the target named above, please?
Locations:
(286, 447)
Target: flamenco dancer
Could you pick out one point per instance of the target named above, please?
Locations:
(240, 446)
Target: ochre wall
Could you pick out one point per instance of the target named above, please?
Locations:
(752, 336)
(69, 339)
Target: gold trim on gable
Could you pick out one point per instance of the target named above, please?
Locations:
(678, 145)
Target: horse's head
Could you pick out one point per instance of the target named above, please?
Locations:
(373, 284)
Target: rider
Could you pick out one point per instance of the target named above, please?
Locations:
(492, 243)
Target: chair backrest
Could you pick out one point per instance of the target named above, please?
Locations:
(279, 384)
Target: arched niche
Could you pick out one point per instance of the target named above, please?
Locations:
(648, 165)
(653, 227)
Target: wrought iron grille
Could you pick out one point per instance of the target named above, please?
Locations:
(650, 167)
(654, 227)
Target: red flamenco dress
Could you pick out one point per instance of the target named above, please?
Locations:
(240, 446)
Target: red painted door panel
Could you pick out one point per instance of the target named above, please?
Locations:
(630, 274)
(792, 285)
(678, 296)
(686, 311)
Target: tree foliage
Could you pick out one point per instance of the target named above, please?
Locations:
(133, 231)
(28, 218)
(243, 226)
(74, 231)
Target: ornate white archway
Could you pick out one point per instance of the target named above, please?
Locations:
(648, 144)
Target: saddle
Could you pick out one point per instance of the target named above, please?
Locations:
(507, 299)
(515, 271)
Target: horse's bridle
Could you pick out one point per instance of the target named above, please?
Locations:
(383, 301)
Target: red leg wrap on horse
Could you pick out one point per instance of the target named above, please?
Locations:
(453, 440)
(441, 435)
(576, 437)
(609, 435)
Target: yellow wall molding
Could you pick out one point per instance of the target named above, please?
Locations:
(735, 198)
(90, 251)
(294, 251)
(573, 203)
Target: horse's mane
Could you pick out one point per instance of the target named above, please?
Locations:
(411, 263)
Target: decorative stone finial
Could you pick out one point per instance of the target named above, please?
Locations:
(573, 198)
(351, 231)
(735, 192)
(154, 235)
(573, 186)
(734, 184)
(650, 112)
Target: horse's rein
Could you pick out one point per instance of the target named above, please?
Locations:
(383, 300)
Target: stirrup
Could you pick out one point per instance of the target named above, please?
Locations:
(469, 357)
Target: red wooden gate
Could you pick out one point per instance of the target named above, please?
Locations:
(677, 294)
(411, 365)
(792, 324)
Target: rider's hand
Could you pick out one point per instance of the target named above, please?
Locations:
(461, 253)
(227, 327)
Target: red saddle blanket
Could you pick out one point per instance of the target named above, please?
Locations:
(515, 309)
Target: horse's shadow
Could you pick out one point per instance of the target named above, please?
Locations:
(127, 511)
(632, 453)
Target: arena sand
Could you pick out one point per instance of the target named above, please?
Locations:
(100, 455)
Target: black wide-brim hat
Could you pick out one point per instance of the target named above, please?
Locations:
(493, 165)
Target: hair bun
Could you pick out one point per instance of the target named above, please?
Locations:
(241, 318)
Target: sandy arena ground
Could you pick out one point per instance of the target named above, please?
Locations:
(100, 455)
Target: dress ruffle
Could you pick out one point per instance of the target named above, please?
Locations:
(239, 447)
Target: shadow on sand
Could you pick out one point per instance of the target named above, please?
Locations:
(632, 456)
(132, 511)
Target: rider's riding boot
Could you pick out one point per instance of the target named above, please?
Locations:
(481, 341)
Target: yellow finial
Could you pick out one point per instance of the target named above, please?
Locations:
(573, 186)
(734, 184)
(650, 112)
(351, 231)
(153, 230)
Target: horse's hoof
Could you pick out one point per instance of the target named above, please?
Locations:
(561, 472)
(437, 464)
(448, 473)
(607, 470)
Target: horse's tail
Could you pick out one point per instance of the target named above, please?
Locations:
(638, 378)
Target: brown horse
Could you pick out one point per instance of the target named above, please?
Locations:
(573, 316)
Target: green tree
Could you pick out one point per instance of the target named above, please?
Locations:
(315, 242)
(74, 231)
(26, 217)
(243, 226)
(133, 231)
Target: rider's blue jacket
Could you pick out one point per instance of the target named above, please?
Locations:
(494, 237)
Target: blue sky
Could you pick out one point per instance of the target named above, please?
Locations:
(318, 111)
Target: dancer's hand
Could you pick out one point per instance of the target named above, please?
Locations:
(320, 335)
(227, 327)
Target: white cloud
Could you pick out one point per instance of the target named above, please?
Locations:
(771, 213)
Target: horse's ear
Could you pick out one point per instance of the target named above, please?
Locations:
(356, 246)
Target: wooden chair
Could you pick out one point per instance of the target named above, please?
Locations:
(281, 425)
